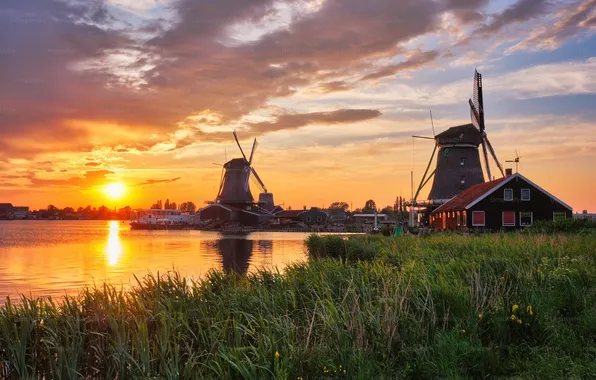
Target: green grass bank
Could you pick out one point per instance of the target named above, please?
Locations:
(368, 307)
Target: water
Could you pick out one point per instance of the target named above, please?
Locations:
(42, 258)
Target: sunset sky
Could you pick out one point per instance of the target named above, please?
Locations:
(147, 93)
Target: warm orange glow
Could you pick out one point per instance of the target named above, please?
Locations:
(115, 190)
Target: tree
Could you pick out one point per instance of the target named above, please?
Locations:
(189, 207)
(173, 206)
(157, 205)
(369, 207)
(342, 205)
(52, 208)
(166, 206)
(68, 211)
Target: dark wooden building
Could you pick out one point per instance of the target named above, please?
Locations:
(507, 203)
(249, 215)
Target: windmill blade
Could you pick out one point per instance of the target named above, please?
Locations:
(432, 123)
(474, 116)
(486, 160)
(241, 151)
(258, 179)
(221, 182)
(252, 152)
(492, 152)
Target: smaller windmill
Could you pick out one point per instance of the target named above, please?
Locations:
(477, 116)
(234, 188)
(516, 160)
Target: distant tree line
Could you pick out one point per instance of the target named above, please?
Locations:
(105, 213)
(396, 212)
(189, 206)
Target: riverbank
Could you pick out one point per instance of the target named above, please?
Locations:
(449, 306)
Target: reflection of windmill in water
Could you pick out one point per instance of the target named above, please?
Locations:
(234, 188)
(235, 254)
(458, 164)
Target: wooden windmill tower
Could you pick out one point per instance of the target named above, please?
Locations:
(234, 188)
(458, 164)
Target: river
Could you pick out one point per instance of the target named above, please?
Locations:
(43, 258)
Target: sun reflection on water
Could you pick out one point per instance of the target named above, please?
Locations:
(114, 244)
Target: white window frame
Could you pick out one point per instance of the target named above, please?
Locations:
(522, 195)
(479, 225)
(462, 179)
(559, 212)
(308, 219)
(505, 195)
(503, 219)
(531, 218)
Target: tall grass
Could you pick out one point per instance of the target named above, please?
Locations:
(374, 307)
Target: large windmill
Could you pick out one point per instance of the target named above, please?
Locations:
(458, 164)
(234, 188)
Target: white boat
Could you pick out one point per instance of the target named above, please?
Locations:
(155, 219)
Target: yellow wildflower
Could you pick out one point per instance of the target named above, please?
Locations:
(463, 331)
(514, 308)
(299, 378)
(480, 316)
(513, 317)
(344, 371)
(276, 354)
(529, 310)
(502, 278)
(519, 322)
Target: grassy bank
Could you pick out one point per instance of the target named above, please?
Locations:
(369, 307)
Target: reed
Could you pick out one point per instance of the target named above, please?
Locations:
(366, 307)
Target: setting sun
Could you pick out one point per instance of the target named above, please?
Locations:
(115, 190)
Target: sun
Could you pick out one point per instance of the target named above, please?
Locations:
(115, 190)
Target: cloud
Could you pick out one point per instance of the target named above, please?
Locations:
(294, 121)
(92, 164)
(571, 21)
(522, 10)
(156, 181)
(89, 178)
(415, 61)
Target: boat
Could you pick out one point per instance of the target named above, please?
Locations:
(158, 219)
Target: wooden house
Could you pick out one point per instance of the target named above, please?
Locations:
(507, 203)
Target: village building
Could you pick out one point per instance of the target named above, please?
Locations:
(507, 203)
(314, 216)
(249, 215)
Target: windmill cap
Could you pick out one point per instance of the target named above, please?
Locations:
(461, 134)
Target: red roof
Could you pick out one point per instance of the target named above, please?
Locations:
(461, 200)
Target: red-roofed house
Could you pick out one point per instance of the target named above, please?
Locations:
(506, 203)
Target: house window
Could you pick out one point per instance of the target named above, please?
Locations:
(458, 219)
(508, 218)
(478, 218)
(462, 161)
(559, 215)
(319, 219)
(309, 219)
(508, 194)
(463, 179)
(525, 194)
(525, 218)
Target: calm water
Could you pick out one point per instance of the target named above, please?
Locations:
(58, 257)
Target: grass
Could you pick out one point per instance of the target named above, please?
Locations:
(443, 306)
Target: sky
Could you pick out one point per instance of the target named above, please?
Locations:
(147, 93)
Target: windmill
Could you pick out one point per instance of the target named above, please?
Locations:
(516, 160)
(458, 163)
(234, 187)
(477, 116)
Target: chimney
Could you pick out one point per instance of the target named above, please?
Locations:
(304, 208)
(508, 172)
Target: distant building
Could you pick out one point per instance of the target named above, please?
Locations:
(506, 203)
(249, 215)
(309, 217)
(337, 215)
(369, 218)
(6, 211)
(20, 212)
(584, 215)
